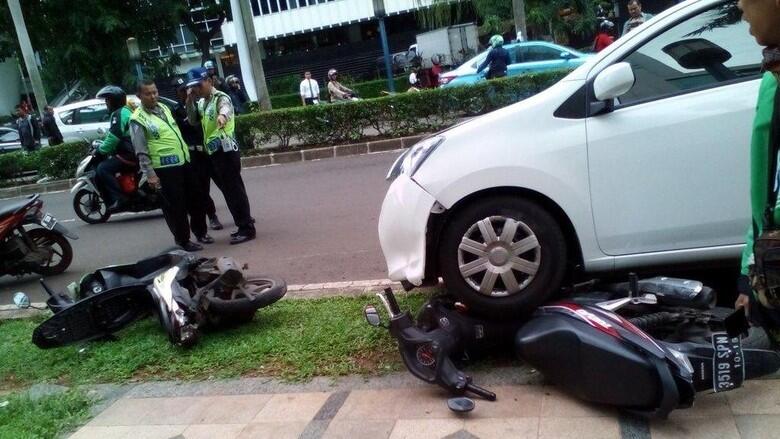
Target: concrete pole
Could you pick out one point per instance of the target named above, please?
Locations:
(250, 58)
(518, 9)
(28, 54)
(380, 12)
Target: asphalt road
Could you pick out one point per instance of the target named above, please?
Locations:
(316, 222)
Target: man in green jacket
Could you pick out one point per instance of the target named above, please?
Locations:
(116, 146)
(762, 307)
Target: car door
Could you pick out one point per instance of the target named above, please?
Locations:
(90, 118)
(534, 58)
(669, 165)
(9, 140)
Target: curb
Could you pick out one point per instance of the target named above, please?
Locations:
(274, 158)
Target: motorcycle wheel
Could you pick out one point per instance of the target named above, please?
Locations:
(258, 292)
(61, 251)
(90, 207)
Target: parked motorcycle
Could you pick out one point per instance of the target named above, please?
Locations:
(621, 346)
(88, 201)
(32, 241)
(186, 292)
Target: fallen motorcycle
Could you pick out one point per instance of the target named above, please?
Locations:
(186, 292)
(646, 346)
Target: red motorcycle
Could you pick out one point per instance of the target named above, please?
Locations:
(32, 241)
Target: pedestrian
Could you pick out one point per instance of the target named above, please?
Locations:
(604, 37)
(414, 80)
(636, 16)
(309, 90)
(28, 128)
(218, 82)
(164, 159)
(237, 94)
(337, 91)
(212, 110)
(54, 136)
(193, 136)
(758, 286)
(497, 59)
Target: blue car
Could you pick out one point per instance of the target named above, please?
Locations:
(526, 57)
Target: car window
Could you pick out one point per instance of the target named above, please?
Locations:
(68, 117)
(9, 136)
(704, 50)
(536, 53)
(93, 114)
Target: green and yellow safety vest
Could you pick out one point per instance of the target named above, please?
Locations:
(166, 145)
(208, 117)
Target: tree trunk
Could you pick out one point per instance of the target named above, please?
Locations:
(518, 10)
(204, 47)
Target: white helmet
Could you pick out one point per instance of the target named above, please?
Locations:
(332, 72)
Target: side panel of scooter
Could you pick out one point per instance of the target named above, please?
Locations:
(588, 363)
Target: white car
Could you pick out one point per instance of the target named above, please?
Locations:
(637, 158)
(83, 119)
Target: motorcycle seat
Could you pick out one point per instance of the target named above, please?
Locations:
(12, 207)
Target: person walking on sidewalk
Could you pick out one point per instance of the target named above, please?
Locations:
(309, 90)
(165, 160)
(759, 292)
(212, 110)
(50, 127)
(200, 160)
(29, 131)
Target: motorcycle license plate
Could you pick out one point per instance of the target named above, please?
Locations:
(728, 371)
(48, 221)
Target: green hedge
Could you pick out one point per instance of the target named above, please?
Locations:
(391, 116)
(56, 162)
(366, 90)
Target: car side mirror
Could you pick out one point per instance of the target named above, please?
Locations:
(614, 81)
(372, 316)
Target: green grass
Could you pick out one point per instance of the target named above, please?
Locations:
(293, 340)
(46, 417)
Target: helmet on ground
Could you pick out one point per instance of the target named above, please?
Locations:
(496, 41)
(114, 95)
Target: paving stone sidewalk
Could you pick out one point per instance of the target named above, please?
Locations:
(408, 410)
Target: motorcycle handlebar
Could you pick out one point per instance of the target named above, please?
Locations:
(481, 392)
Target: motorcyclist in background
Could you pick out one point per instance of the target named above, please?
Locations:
(117, 147)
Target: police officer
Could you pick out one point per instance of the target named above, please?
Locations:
(213, 111)
(117, 146)
(200, 160)
(165, 159)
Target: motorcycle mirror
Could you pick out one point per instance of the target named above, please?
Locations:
(372, 316)
(101, 131)
(21, 300)
(461, 404)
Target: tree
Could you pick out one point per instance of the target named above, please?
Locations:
(204, 19)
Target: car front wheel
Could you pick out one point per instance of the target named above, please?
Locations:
(503, 256)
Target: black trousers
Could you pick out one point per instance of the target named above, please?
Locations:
(226, 170)
(106, 176)
(180, 200)
(202, 170)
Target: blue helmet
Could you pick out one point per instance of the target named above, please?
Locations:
(209, 65)
(196, 75)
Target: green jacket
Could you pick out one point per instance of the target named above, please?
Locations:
(759, 167)
(117, 141)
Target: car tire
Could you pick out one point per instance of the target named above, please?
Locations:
(535, 256)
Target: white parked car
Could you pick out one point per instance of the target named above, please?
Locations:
(83, 119)
(637, 158)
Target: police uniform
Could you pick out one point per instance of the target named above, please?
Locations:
(170, 161)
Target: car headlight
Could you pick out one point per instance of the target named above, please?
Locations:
(411, 160)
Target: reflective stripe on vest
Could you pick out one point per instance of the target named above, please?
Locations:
(208, 117)
(164, 140)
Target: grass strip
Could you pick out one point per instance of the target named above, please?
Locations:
(22, 417)
(293, 340)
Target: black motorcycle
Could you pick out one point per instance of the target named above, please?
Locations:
(186, 292)
(88, 199)
(32, 241)
(647, 347)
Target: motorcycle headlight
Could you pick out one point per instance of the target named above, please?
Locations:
(411, 160)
